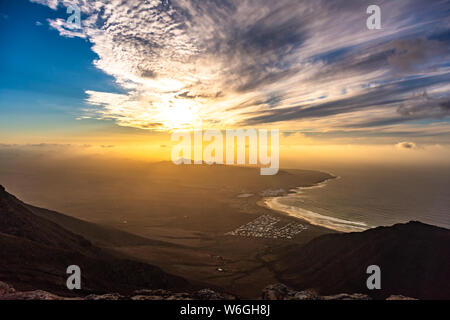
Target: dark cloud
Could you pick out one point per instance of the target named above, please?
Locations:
(445, 106)
(49, 145)
(147, 74)
(407, 145)
(186, 95)
(8, 145)
(386, 95)
(251, 53)
(417, 54)
(151, 125)
(287, 134)
(190, 95)
(425, 106)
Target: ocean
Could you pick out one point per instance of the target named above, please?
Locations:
(366, 197)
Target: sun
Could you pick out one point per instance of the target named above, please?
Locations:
(179, 114)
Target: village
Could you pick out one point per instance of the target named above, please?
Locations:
(267, 226)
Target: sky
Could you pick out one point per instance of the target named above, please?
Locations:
(137, 70)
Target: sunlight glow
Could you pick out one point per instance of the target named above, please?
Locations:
(181, 113)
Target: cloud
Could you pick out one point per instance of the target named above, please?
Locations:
(65, 29)
(49, 3)
(389, 94)
(48, 145)
(287, 134)
(425, 107)
(291, 64)
(406, 145)
(416, 54)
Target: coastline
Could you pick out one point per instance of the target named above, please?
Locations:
(313, 218)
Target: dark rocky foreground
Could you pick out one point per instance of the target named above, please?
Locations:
(282, 292)
(273, 292)
(7, 292)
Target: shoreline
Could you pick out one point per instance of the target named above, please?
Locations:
(310, 217)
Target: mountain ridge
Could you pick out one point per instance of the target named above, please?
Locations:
(35, 253)
(414, 259)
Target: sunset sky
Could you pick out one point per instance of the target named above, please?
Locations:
(138, 69)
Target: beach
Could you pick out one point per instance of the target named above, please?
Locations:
(280, 204)
(364, 198)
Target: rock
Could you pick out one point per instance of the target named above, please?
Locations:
(275, 292)
(281, 292)
(108, 296)
(32, 295)
(146, 297)
(7, 292)
(399, 297)
(346, 296)
(181, 296)
(147, 292)
(306, 295)
(208, 294)
(159, 294)
(5, 288)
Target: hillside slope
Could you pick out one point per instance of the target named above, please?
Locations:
(99, 235)
(414, 259)
(35, 252)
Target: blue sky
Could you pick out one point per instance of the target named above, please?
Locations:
(43, 76)
(159, 65)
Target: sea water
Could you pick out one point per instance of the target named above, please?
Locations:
(366, 197)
